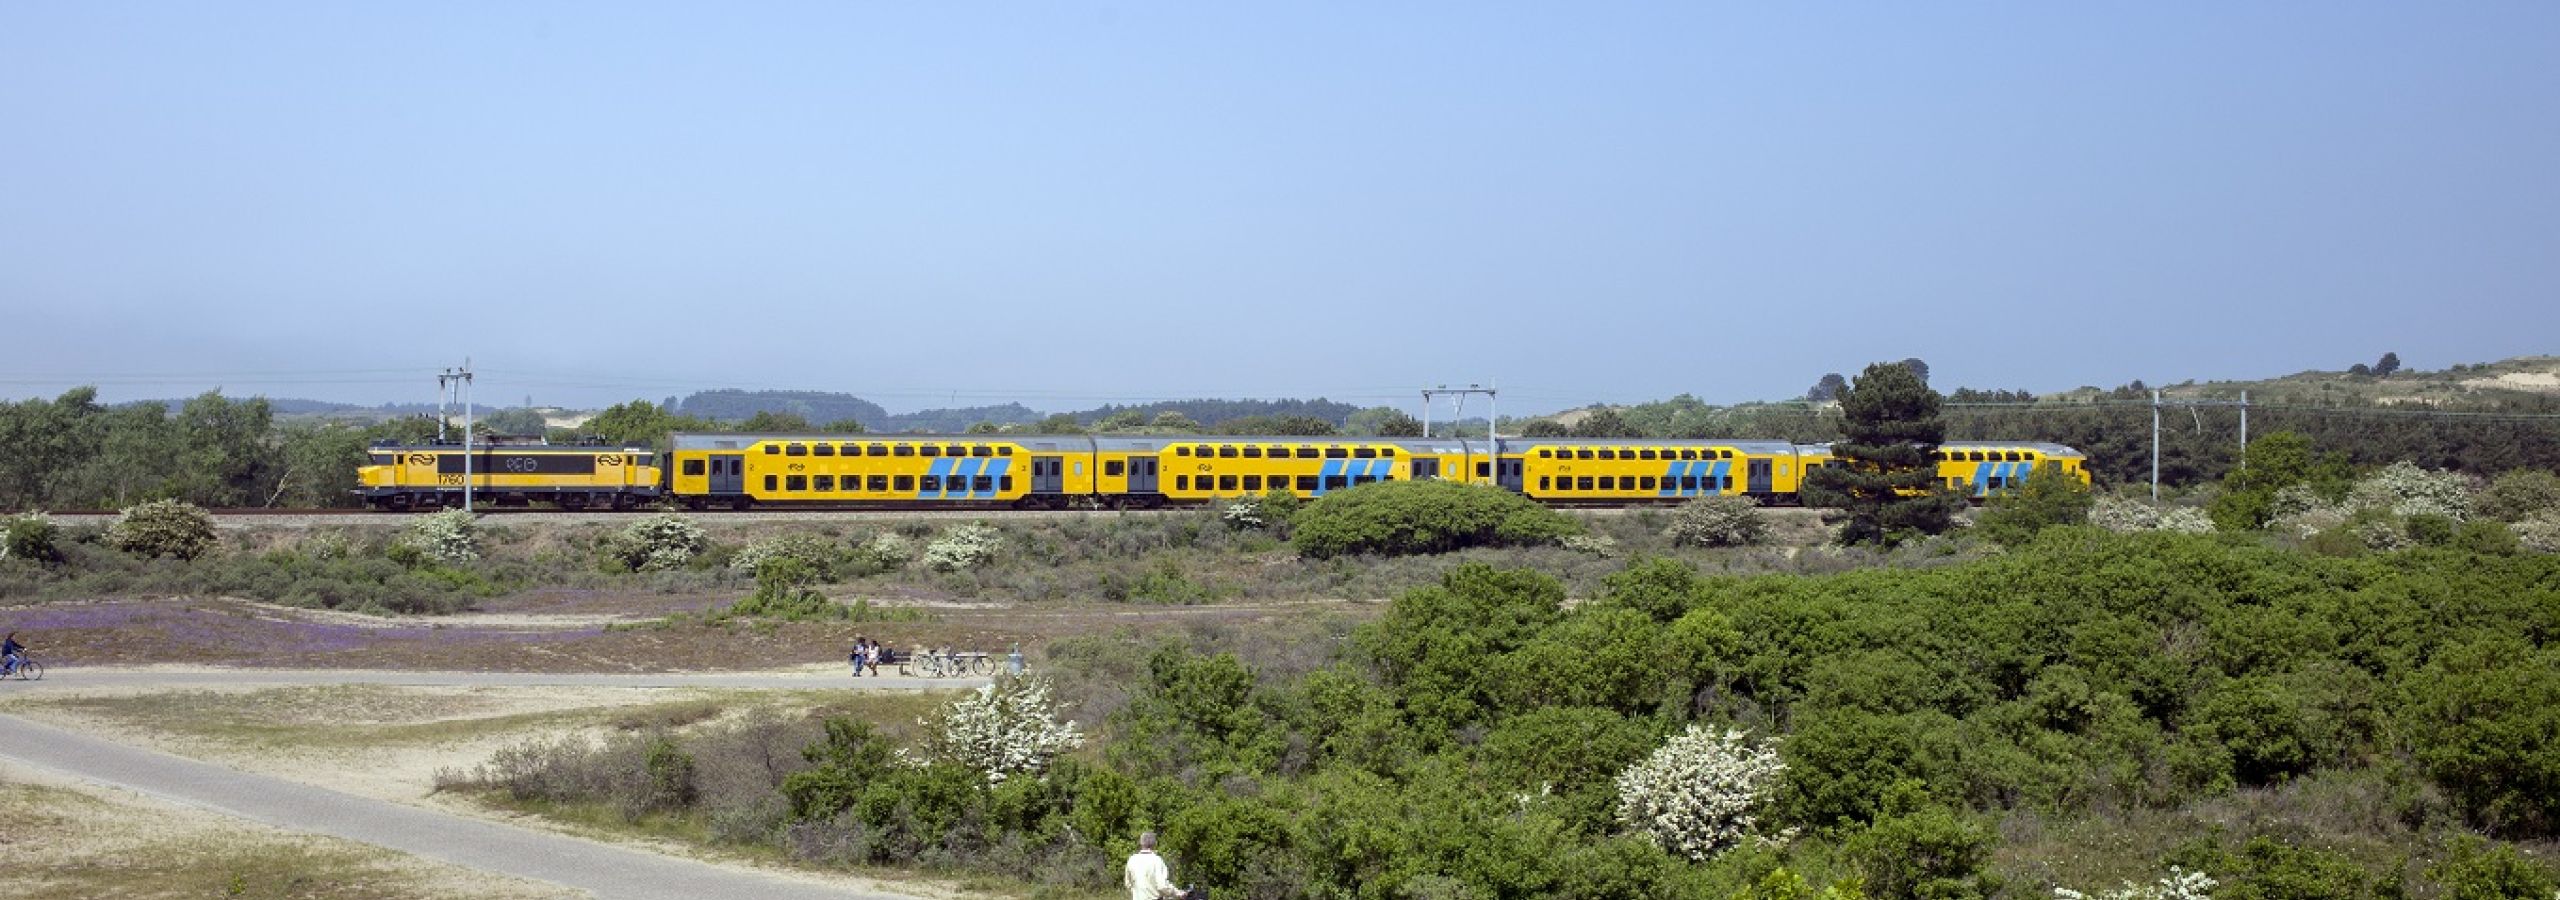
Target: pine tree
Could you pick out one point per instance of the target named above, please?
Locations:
(1889, 435)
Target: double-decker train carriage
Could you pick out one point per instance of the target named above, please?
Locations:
(1053, 471)
(399, 477)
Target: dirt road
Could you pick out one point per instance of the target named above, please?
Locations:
(602, 869)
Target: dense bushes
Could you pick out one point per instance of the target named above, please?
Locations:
(31, 537)
(2112, 698)
(1392, 518)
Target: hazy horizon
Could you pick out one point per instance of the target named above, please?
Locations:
(1069, 205)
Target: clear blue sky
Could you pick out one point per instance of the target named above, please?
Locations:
(931, 204)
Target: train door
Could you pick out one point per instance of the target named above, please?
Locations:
(1425, 468)
(1048, 475)
(1507, 473)
(728, 473)
(1142, 474)
(1759, 482)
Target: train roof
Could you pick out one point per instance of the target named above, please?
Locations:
(2046, 448)
(1758, 448)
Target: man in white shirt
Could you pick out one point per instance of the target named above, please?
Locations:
(1146, 876)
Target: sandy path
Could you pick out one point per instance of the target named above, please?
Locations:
(603, 869)
(805, 679)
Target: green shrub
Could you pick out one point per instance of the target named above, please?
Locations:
(1396, 518)
(171, 528)
(2049, 497)
(2477, 870)
(814, 554)
(32, 537)
(659, 543)
(784, 591)
(1717, 521)
(2520, 494)
(1931, 852)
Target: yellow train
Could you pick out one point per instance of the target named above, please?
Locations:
(401, 477)
(745, 470)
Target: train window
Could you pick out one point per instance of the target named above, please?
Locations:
(1582, 454)
(1113, 467)
(879, 449)
(822, 449)
(2015, 456)
(1004, 482)
(1725, 483)
(982, 483)
(1182, 482)
(1253, 453)
(772, 449)
(1544, 453)
(1337, 482)
(1608, 454)
(1182, 451)
(928, 450)
(1388, 452)
(1363, 453)
(1253, 483)
(1688, 482)
(1226, 482)
(1227, 451)
(929, 484)
(795, 450)
(1336, 453)
(1583, 483)
(954, 450)
(906, 483)
(1688, 454)
(879, 482)
(769, 482)
(823, 483)
(693, 467)
(1484, 470)
(1649, 483)
(1608, 482)
(902, 450)
(1545, 483)
(982, 450)
(1306, 484)
(1307, 453)
(1644, 454)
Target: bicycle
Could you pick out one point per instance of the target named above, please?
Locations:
(27, 669)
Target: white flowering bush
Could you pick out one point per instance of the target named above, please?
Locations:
(1718, 521)
(2128, 516)
(163, 528)
(2519, 495)
(887, 551)
(808, 550)
(451, 536)
(1244, 514)
(1007, 728)
(2179, 884)
(2406, 490)
(1698, 794)
(2540, 534)
(659, 543)
(1599, 545)
(963, 547)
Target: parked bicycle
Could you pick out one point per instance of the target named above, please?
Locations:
(948, 664)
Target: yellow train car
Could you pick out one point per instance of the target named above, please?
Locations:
(1205, 469)
(1981, 469)
(402, 477)
(744, 470)
(1610, 470)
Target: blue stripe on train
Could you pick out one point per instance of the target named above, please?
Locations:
(939, 468)
(995, 477)
(957, 486)
(1324, 476)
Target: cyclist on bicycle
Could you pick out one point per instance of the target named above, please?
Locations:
(9, 653)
